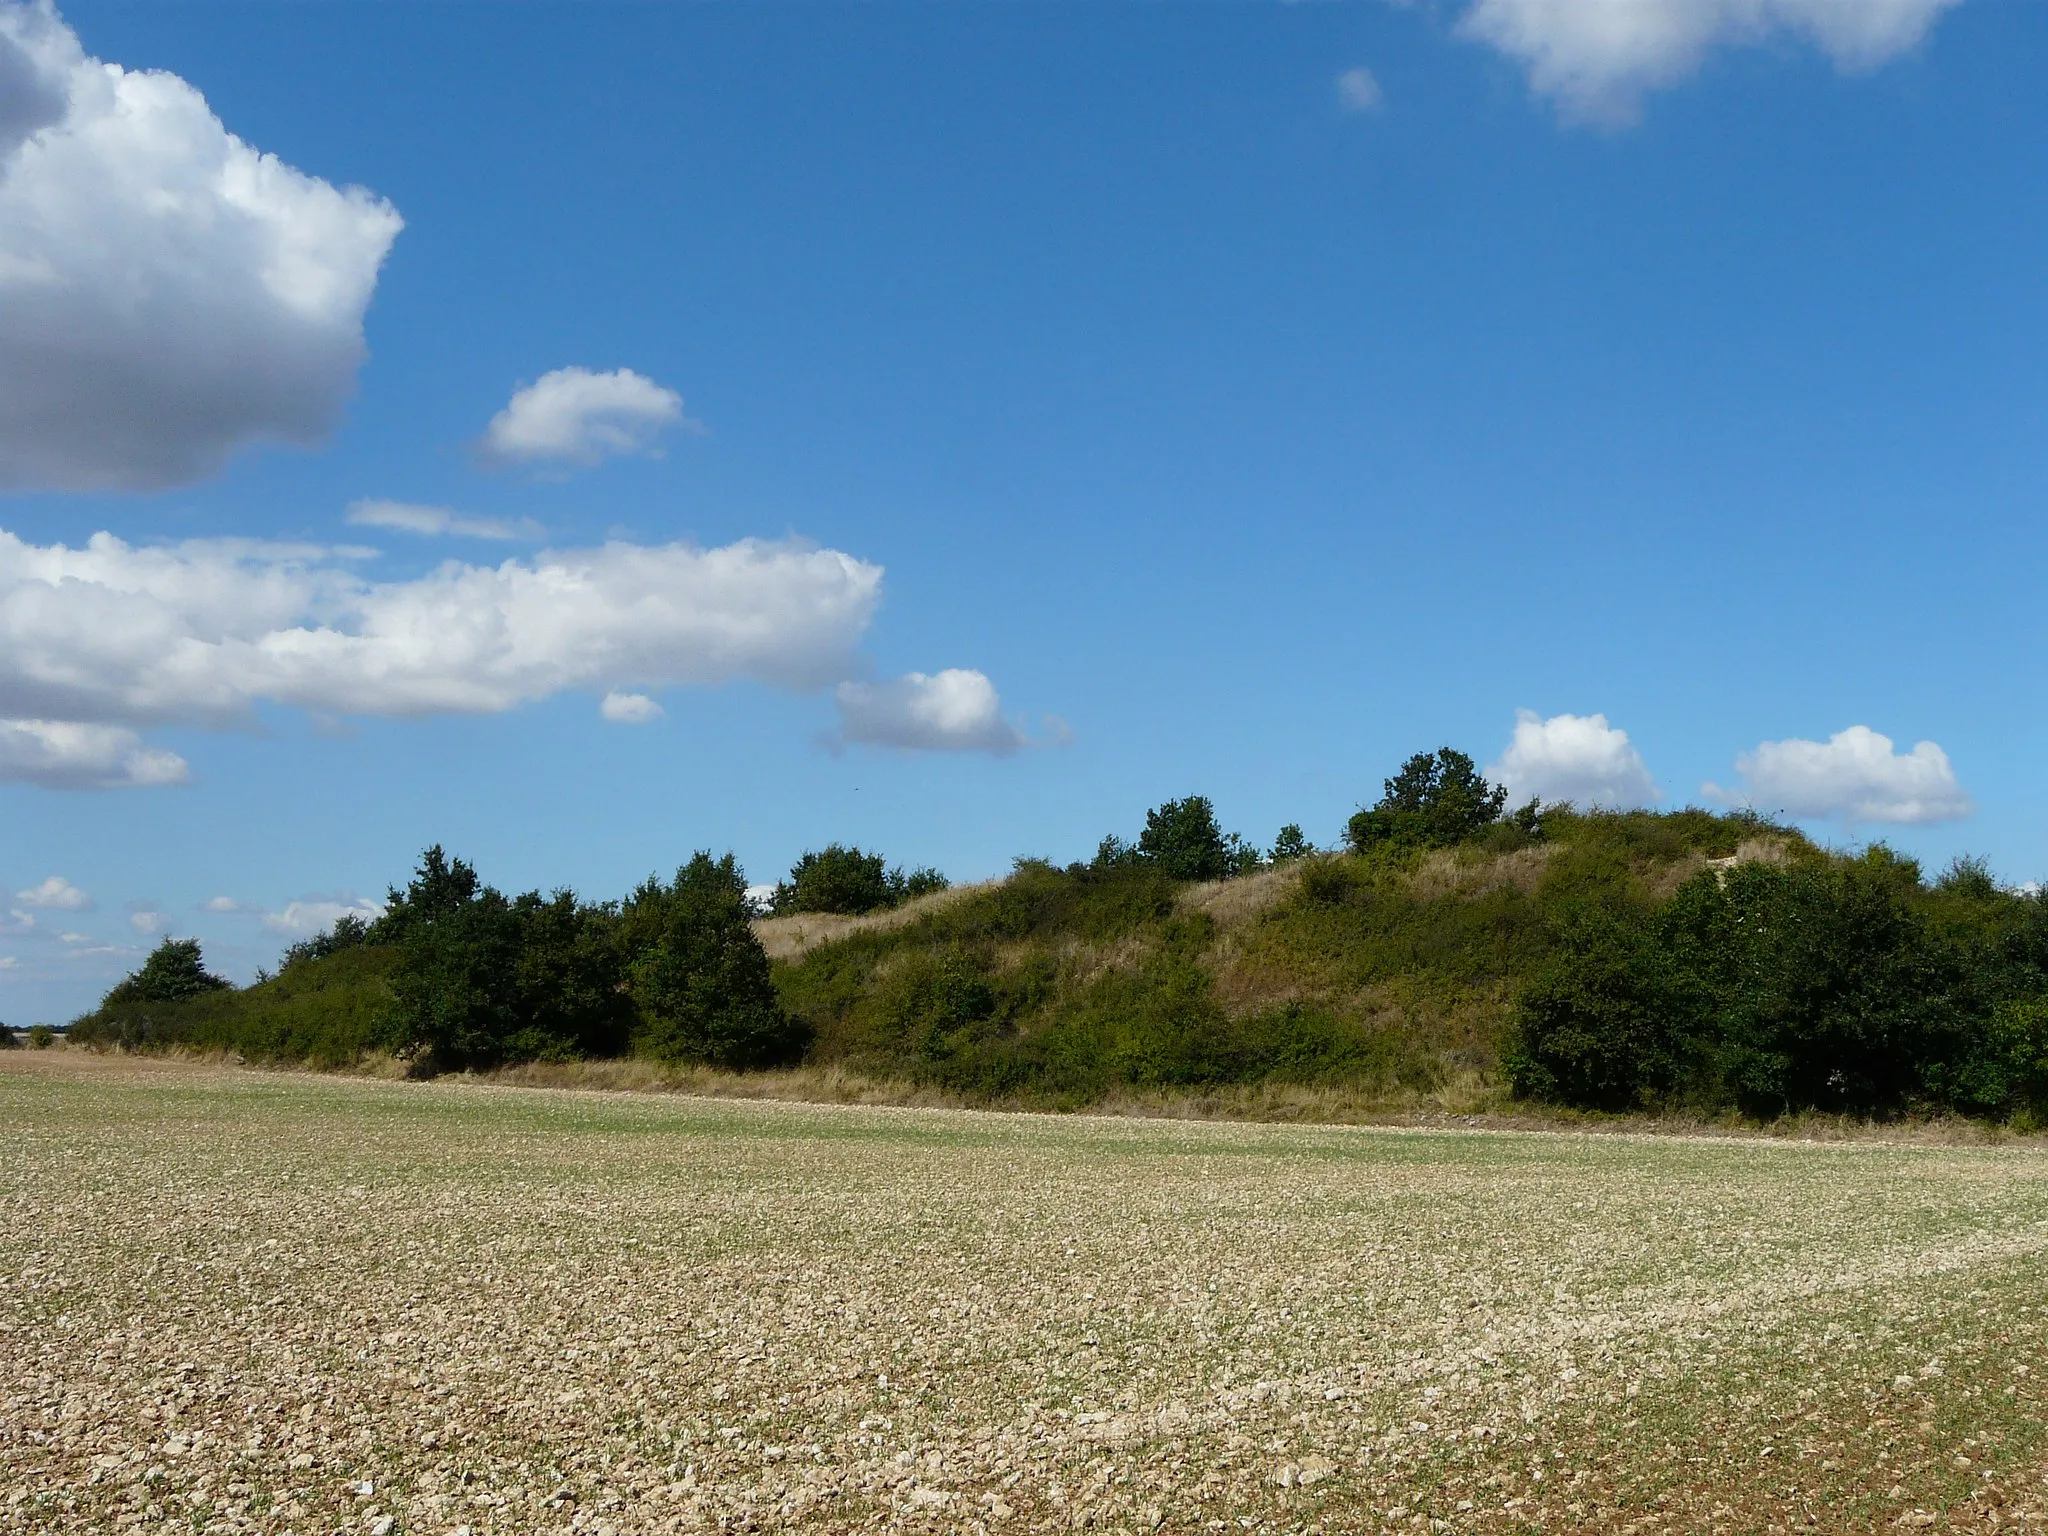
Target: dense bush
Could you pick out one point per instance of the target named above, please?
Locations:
(482, 979)
(41, 1037)
(1597, 959)
(698, 975)
(1182, 841)
(1826, 983)
(149, 1005)
(1292, 843)
(846, 880)
(1437, 800)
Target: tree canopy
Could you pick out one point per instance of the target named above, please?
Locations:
(1438, 800)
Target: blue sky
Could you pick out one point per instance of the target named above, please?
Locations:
(1173, 409)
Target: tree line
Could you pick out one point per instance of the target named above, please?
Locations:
(1805, 980)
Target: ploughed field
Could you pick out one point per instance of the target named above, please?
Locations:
(241, 1301)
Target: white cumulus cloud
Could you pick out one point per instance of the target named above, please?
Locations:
(438, 522)
(1597, 58)
(100, 640)
(168, 293)
(956, 710)
(56, 894)
(203, 631)
(575, 416)
(70, 754)
(1856, 775)
(146, 919)
(1357, 90)
(628, 708)
(1580, 758)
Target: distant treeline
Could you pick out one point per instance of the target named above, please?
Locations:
(1609, 961)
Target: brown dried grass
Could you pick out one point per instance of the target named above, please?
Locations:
(787, 937)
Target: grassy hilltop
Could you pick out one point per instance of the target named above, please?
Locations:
(1399, 967)
(1617, 961)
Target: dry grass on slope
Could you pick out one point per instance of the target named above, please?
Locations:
(785, 938)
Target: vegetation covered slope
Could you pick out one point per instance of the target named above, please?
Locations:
(1398, 966)
(1608, 960)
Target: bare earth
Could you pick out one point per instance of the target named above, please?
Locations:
(237, 1301)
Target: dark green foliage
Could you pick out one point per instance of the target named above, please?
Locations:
(923, 881)
(1437, 800)
(699, 976)
(174, 971)
(1826, 983)
(1608, 1022)
(9, 1040)
(1292, 843)
(837, 879)
(40, 1037)
(846, 880)
(1182, 839)
(1183, 842)
(569, 990)
(143, 1007)
(481, 980)
(348, 932)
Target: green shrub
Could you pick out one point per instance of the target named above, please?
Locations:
(40, 1036)
(698, 974)
(480, 979)
(327, 1012)
(1182, 840)
(1292, 843)
(152, 1004)
(845, 880)
(1608, 1022)
(1824, 983)
(1437, 800)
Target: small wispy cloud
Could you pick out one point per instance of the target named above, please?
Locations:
(57, 894)
(576, 416)
(629, 708)
(439, 522)
(1359, 91)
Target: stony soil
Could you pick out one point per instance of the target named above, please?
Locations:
(235, 1301)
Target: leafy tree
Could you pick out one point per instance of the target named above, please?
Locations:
(174, 971)
(441, 886)
(349, 932)
(455, 987)
(922, 881)
(837, 879)
(570, 980)
(1181, 837)
(41, 1036)
(1829, 983)
(481, 979)
(1292, 843)
(1111, 853)
(698, 973)
(1437, 800)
